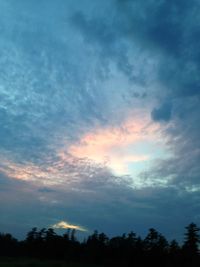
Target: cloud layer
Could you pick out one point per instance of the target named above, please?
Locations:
(99, 113)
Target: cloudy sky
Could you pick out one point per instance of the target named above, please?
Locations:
(99, 115)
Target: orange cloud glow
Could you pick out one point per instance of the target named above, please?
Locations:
(48, 173)
(66, 225)
(111, 145)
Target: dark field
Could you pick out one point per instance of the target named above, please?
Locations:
(38, 263)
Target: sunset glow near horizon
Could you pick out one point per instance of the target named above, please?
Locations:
(99, 115)
(127, 149)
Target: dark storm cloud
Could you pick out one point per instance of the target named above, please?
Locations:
(107, 40)
(46, 190)
(168, 31)
(106, 206)
(162, 113)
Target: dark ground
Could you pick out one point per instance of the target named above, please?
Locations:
(38, 263)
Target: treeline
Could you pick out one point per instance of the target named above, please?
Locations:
(126, 250)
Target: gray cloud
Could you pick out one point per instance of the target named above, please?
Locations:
(110, 207)
(87, 66)
(166, 31)
(162, 113)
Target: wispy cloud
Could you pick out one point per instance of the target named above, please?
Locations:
(66, 225)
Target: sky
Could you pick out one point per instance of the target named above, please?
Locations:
(99, 115)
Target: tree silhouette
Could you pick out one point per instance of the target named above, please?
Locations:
(192, 239)
(190, 246)
(156, 247)
(155, 240)
(125, 250)
(32, 235)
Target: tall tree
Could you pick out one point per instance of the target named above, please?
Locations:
(192, 239)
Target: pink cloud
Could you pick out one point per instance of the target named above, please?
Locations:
(111, 145)
(102, 149)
